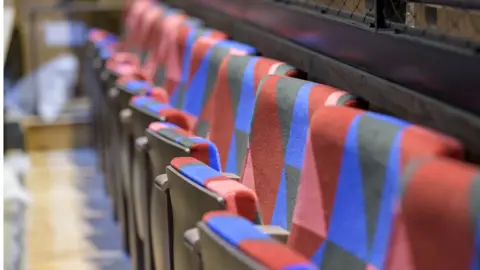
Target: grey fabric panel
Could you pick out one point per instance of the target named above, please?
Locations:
(475, 199)
(292, 177)
(375, 140)
(174, 136)
(159, 75)
(286, 94)
(335, 258)
(202, 128)
(217, 55)
(410, 170)
(236, 66)
(241, 141)
(143, 57)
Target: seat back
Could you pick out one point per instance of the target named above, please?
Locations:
(230, 241)
(274, 160)
(166, 142)
(130, 61)
(194, 96)
(178, 62)
(132, 24)
(170, 27)
(438, 219)
(350, 185)
(196, 189)
(234, 99)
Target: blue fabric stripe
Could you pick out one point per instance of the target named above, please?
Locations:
(214, 157)
(142, 101)
(156, 107)
(136, 85)
(199, 173)
(231, 166)
(106, 41)
(185, 66)
(348, 224)
(196, 90)
(105, 53)
(476, 248)
(234, 229)
(299, 128)
(389, 119)
(247, 98)
(390, 195)
(279, 216)
(317, 257)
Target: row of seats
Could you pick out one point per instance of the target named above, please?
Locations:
(216, 157)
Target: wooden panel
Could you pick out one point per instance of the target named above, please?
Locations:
(65, 133)
(451, 21)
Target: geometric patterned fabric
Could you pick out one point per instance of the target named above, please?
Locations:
(193, 94)
(234, 98)
(348, 213)
(178, 60)
(136, 46)
(242, 235)
(274, 160)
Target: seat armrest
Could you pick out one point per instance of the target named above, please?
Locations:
(161, 182)
(276, 232)
(192, 240)
(126, 117)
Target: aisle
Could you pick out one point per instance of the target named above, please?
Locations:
(70, 225)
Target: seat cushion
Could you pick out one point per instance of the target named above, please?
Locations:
(238, 198)
(199, 148)
(162, 111)
(241, 234)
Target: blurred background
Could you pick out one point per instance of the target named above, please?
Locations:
(417, 60)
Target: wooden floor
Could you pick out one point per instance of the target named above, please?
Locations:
(69, 223)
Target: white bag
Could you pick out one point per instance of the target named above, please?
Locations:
(15, 199)
(48, 89)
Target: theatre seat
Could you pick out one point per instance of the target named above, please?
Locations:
(437, 220)
(195, 189)
(167, 141)
(228, 241)
(274, 161)
(193, 95)
(348, 203)
(233, 104)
